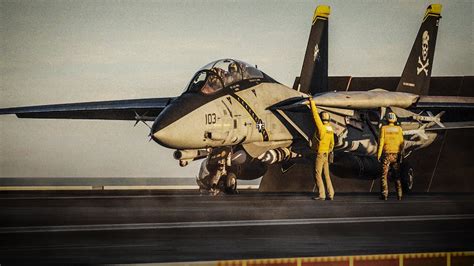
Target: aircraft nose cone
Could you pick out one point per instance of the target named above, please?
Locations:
(159, 131)
(180, 134)
(163, 137)
(175, 127)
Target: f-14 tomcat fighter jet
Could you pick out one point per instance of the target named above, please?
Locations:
(239, 120)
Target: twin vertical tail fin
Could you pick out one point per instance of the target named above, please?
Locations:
(314, 73)
(417, 72)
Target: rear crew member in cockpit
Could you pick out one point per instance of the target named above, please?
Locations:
(233, 74)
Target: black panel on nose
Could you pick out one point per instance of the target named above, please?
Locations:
(178, 108)
(165, 118)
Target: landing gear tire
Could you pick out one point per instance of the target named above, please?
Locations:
(407, 176)
(231, 184)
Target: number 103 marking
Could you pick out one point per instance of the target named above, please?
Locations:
(211, 118)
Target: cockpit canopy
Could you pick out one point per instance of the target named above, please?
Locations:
(221, 73)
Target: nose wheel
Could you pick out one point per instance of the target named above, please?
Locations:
(407, 176)
(231, 183)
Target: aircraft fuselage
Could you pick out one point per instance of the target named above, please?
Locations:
(235, 116)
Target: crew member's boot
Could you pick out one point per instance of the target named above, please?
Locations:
(383, 188)
(319, 198)
(399, 189)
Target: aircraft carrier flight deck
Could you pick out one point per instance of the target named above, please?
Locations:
(123, 226)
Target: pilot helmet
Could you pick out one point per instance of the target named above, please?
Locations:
(216, 74)
(233, 68)
(217, 71)
(213, 79)
(391, 117)
(325, 116)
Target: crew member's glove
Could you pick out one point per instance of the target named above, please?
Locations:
(331, 157)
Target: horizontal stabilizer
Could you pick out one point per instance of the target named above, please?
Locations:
(136, 109)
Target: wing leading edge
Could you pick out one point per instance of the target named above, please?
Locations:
(445, 102)
(135, 109)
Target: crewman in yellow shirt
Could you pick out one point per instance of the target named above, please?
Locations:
(323, 143)
(389, 150)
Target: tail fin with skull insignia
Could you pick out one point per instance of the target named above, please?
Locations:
(314, 73)
(417, 72)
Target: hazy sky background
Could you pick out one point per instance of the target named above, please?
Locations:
(73, 51)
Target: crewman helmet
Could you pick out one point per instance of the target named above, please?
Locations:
(325, 116)
(391, 117)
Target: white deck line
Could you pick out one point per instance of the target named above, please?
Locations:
(139, 187)
(238, 223)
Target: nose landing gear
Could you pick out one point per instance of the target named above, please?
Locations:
(214, 177)
(227, 184)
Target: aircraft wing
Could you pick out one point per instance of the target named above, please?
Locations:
(136, 109)
(457, 110)
(445, 102)
(453, 125)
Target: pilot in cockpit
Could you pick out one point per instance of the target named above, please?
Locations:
(213, 83)
(221, 74)
(233, 74)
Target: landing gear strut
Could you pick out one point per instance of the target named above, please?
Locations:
(214, 176)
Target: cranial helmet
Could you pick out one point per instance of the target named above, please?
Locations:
(391, 117)
(325, 116)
